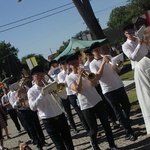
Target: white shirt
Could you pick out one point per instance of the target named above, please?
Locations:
(45, 105)
(5, 100)
(86, 65)
(134, 51)
(12, 96)
(61, 79)
(88, 97)
(110, 80)
(142, 82)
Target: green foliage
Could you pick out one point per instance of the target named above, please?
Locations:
(124, 14)
(9, 62)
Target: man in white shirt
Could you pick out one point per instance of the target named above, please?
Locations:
(49, 111)
(112, 88)
(142, 82)
(71, 98)
(90, 102)
(89, 56)
(134, 48)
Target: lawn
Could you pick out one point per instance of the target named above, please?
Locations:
(128, 74)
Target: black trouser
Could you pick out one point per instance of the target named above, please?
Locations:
(119, 102)
(58, 130)
(90, 116)
(13, 115)
(109, 109)
(32, 123)
(73, 102)
(67, 108)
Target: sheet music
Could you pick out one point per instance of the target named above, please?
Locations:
(140, 32)
(117, 58)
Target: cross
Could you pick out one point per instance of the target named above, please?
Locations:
(4, 73)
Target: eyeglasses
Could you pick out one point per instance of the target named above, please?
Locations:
(130, 32)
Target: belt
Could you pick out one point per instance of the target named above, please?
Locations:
(53, 118)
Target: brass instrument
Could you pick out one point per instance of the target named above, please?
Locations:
(60, 87)
(54, 89)
(25, 83)
(1, 84)
(90, 76)
(119, 64)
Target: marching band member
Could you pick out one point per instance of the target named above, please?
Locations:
(10, 110)
(90, 102)
(51, 114)
(29, 117)
(89, 56)
(112, 88)
(71, 98)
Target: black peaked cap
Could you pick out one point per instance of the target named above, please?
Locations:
(95, 45)
(37, 69)
(128, 27)
(71, 58)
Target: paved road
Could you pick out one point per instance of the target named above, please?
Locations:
(81, 140)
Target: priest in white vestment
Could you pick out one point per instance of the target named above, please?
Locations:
(142, 81)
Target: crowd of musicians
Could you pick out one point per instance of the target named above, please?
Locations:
(92, 87)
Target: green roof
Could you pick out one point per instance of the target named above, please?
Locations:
(75, 44)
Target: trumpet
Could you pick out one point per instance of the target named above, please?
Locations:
(90, 76)
(119, 64)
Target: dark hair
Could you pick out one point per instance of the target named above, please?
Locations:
(52, 62)
(95, 45)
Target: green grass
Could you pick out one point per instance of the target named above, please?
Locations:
(128, 74)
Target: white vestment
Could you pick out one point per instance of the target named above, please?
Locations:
(142, 81)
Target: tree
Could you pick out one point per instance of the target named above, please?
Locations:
(118, 17)
(86, 11)
(139, 6)
(124, 14)
(9, 62)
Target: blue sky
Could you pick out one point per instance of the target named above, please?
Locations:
(40, 36)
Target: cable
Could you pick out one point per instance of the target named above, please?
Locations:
(35, 15)
(36, 19)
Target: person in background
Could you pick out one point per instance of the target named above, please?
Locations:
(134, 48)
(90, 102)
(49, 111)
(19, 100)
(12, 112)
(142, 82)
(112, 88)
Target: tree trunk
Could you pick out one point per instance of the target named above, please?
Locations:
(85, 10)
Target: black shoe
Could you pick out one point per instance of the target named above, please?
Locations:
(115, 125)
(75, 131)
(45, 144)
(131, 137)
(114, 148)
